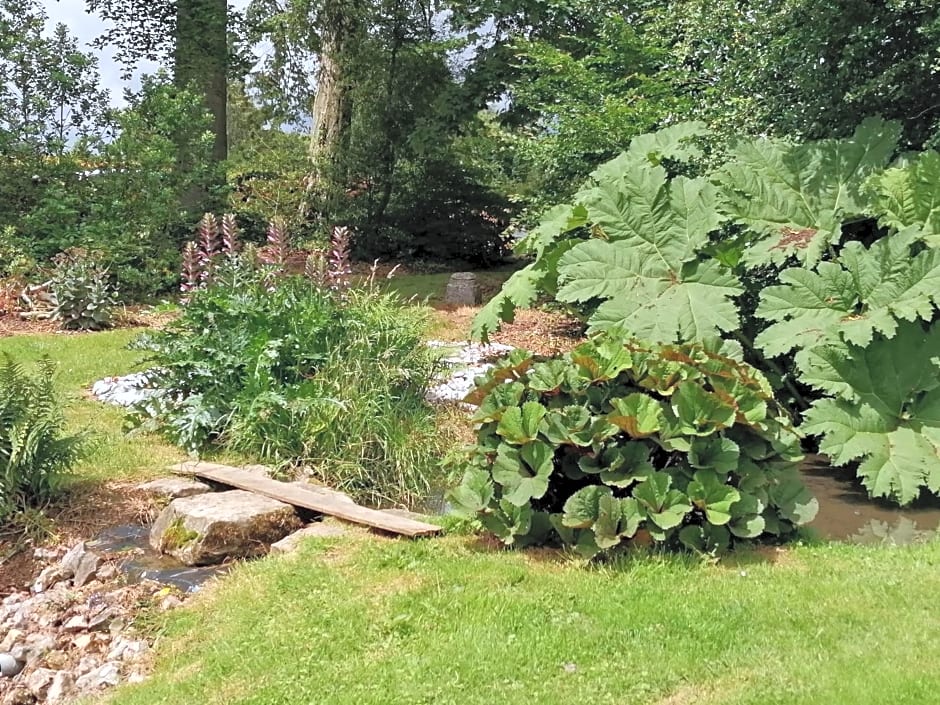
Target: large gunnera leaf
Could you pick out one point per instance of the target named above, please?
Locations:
(796, 197)
(657, 298)
(909, 195)
(627, 198)
(887, 414)
(866, 291)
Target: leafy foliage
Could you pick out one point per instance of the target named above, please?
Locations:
(884, 410)
(795, 197)
(666, 258)
(909, 195)
(618, 439)
(804, 69)
(629, 200)
(35, 453)
(864, 291)
(83, 292)
(298, 375)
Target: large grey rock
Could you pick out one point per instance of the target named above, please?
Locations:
(71, 560)
(106, 674)
(207, 529)
(174, 487)
(38, 682)
(291, 543)
(86, 569)
(463, 290)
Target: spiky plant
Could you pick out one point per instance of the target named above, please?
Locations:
(315, 268)
(340, 267)
(275, 252)
(209, 245)
(191, 269)
(229, 234)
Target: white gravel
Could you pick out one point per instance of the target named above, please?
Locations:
(467, 362)
(464, 363)
(123, 391)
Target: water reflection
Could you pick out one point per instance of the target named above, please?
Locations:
(847, 514)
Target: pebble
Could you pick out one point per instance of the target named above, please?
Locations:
(70, 637)
(9, 666)
(464, 364)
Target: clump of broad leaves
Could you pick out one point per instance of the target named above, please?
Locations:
(822, 260)
(618, 439)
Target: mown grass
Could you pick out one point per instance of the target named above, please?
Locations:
(82, 359)
(368, 620)
(446, 621)
(431, 288)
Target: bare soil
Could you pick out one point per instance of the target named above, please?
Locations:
(83, 512)
(542, 332)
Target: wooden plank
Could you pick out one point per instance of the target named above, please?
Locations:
(319, 500)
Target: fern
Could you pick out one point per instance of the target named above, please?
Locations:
(34, 453)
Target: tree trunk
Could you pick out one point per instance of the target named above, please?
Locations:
(332, 107)
(201, 60)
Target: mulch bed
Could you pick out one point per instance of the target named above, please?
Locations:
(542, 332)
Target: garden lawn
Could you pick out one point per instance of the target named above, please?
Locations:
(81, 359)
(377, 621)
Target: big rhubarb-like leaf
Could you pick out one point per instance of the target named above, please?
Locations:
(796, 197)
(654, 297)
(888, 412)
(523, 472)
(866, 291)
(519, 291)
(909, 195)
(628, 198)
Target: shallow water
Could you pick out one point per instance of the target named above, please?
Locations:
(845, 511)
(143, 563)
(847, 514)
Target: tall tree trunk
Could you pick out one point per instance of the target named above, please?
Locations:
(332, 106)
(201, 59)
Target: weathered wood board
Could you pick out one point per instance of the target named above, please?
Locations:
(323, 501)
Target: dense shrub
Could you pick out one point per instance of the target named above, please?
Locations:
(618, 439)
(293, 373)
(35, 454)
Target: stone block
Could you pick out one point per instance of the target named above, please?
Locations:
(463, 290)
(206, 529)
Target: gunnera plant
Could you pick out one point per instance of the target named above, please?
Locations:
(620, 440)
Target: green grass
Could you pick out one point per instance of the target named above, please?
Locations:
(81, 360)
(430, 288)
(445, 621)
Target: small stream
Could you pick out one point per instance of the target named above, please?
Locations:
(143, 563)
(847, 514)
